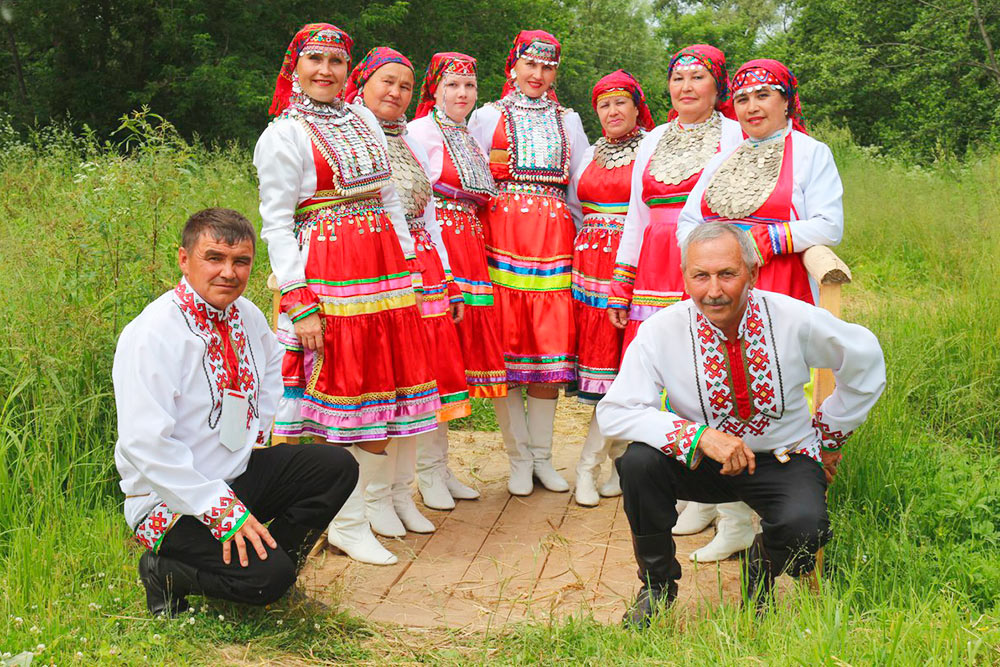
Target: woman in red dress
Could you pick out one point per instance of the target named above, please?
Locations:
(602, 185)
(357, 368)
(534, 146)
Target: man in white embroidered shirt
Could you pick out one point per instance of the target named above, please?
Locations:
(197, 378)
(711, 393)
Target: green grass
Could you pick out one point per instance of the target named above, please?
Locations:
(913, 574)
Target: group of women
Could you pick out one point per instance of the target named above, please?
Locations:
(495, 253)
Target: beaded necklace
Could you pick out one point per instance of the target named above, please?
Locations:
(613, 153)
(470, 163)
(539, 150)
(683, 151)
(747, 177)
(408, 176)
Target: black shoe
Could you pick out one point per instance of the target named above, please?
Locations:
(167, 584)
(758, 576)
(652, 598)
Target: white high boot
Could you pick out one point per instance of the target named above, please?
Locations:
(457, 489)
(733, 533)
(514, 428)
(541, 418)
(402, 488)
(349, 531)
(430, 479)
(378, 496)
(592, 455)
(613, 487)
(695, 518)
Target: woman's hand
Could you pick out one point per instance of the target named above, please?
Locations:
(618, 317)
(310, 331)
(457, 312)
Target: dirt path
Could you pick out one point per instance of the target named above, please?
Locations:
(503, 559)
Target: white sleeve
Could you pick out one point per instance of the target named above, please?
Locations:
(637, 217)
(854, 355)
(572, 196)
(425, 133)
(631, 410)
(482, 125)
(821, 220)
(280, 172)
(431, 223)
(578, 145)
(145, 385)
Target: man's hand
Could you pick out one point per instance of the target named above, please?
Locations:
(618, 317)
(830, 462)
(252, 530)
(457, 312)
(310, 331)
(728, 450)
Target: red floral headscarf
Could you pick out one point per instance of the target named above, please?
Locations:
(756, 74)
(537, 45)
(377, 57)
(446, 62)
(620, 80)
(712, 59)
(323, 37)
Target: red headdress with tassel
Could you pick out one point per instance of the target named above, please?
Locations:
(762, 72)
(441, 64)
(366, 67)
(313, 37)
(619, 82)
(712, 59)
(536, 45)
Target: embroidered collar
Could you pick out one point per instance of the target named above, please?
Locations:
(522, 101)
(393, 128)
(751, 307)
(771, 138)
(193, 302)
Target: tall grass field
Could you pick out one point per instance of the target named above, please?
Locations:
(88, 237)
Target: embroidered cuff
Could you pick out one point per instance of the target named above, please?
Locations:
(762, 243)
(830, 440)
(225, 517)
(151, 530)
(454, 292)
(622, 282)
(682, 442)
(297, 301)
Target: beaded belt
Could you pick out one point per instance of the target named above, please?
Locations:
(463, 205)
(516, 188)
(609, 221)
(415, 223)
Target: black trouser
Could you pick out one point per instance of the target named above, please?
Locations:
(789, 497)
(299, 489)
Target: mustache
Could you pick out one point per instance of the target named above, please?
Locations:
(718, 301)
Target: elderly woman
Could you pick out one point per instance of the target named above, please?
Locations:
(782, 186)
(647, 274)
(357, 370)
(534, 146)
(383, 83)
(460, 175)
(602, 185)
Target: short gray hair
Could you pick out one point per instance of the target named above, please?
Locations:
(710, 231)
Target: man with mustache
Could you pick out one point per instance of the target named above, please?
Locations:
(710, 393)
(197, 378)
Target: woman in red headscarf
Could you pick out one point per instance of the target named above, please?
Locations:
(383, 82)
(357, 369)
(602, 185)
(534, 146)
(782, 186)
(789, 186)
(648, 268)
(462, 182)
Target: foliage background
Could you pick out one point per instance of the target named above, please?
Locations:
(918, 78)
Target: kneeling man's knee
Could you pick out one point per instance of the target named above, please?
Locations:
(639, 461)
(802, 527)
(277, 576)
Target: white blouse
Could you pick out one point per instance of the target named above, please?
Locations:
(675, 379)
(287, 174)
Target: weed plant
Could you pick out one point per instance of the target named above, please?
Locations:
(912, 576)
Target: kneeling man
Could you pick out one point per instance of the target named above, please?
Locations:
(197, 378)
(711, 393)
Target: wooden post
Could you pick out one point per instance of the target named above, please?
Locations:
(830, 272)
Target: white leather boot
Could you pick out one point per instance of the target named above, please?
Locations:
(514, 428)
(430, 480)
(592, 455)
(378, 497)
(695, 518)
(733, 533)
(402, 488)
(456, 488)
(613, 487)
(349, 531)
(541, 418)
